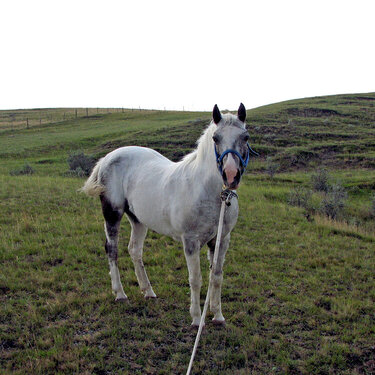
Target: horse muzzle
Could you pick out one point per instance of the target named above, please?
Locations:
(229, 169)
(231, 173)
(232, 181)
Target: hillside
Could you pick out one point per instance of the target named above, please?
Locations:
(334, 131)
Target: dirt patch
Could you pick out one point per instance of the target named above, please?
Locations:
(45, 161)
(54, 262)
(332, 136)
(362, 98)
(296, 160)
(312, 112)
(364, 362)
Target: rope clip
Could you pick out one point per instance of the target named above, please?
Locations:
(226, 195)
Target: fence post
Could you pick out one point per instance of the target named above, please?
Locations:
(76, 112)
(87, 112)
(27, 122)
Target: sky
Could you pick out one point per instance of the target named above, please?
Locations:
(182, 54)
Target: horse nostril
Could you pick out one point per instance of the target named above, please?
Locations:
(238, 175)
(224, 176)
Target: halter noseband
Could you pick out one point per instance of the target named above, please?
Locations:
(244, 163)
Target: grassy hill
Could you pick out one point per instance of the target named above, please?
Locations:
(299, 287)
(334, 131)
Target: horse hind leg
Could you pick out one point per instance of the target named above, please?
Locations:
(137, 237)
(112, 218)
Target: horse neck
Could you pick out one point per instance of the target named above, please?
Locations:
(201, 163)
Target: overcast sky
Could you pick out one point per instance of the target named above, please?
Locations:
(175, 54)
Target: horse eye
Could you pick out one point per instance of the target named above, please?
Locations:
(246, 137)
(215, 139)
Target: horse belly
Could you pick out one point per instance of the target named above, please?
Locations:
(152, 204)
(156, 219)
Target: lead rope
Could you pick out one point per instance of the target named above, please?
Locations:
(226, 195)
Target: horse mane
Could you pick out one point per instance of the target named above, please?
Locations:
(204, 143)
(199, 154)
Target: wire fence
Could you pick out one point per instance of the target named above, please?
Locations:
(29, 118)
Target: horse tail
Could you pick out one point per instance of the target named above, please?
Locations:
(93, 186)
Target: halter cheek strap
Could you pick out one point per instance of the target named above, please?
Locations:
(244, 163)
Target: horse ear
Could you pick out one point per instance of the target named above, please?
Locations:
(242, 113)
(216, 115)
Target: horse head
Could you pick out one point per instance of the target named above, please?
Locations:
(231, 145)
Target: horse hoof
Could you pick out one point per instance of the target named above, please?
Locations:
(122, 299)
(218, 323)
(195, 325)
(151, 297)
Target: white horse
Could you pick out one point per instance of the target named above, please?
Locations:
(180, 200)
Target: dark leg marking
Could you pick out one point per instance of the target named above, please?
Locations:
(111, 215)
(107, 247)
(112, 218)
(211, 250)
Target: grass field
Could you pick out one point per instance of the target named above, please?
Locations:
(298, 291)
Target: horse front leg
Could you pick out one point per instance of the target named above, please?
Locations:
(192, 250)
(216, 278)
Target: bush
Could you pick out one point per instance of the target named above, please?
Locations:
(372, 206)
(300, 197)
(334, 201)
(320, 181)
(332, 197)
(25, 170)
(80, 164)
(271, 167)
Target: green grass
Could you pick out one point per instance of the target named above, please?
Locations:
(298, 295)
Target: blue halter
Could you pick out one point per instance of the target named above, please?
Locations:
(244, 163)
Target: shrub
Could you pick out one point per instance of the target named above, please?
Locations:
(27, 169)
(372, 206)
(334, 201)
(271, 167)
(320, 181)
(80, 164)
(300, 197)
(78, 172)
